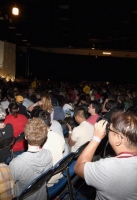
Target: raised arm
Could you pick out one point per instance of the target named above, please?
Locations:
(88, 153)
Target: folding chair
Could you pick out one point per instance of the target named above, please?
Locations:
(35, 185)
(62, 166)
(20, 137)
(5, 148)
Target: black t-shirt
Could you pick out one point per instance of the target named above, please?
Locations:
(5, 133)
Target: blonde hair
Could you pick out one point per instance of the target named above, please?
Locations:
(46, 103)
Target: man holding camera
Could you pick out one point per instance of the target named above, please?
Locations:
(116, 177)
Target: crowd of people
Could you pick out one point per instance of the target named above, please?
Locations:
(58, 118)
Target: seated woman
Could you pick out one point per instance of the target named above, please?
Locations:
(6, 132)
(45, 104)
(18, 122)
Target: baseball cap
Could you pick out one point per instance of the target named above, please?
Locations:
(19, 99)
(2, 113)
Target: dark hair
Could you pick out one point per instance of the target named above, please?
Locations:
(96, 105)
(45, 116)
(126, 123)
(35, 112)
(111, 105)
(71, 121)
(80, 111)
(14, 108)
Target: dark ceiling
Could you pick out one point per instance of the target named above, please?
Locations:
(76, 23)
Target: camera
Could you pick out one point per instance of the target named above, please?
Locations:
(107, 126)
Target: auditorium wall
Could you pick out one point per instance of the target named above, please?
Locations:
(8, 63)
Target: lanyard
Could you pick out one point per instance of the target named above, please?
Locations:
(126, 155)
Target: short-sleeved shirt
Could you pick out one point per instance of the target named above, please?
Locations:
(82, 134)
(18, 124)
(93, 119)
(114, 178)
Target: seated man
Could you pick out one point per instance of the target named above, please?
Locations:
(94, 109)
(110, 176)
(55, 144)
(82, 133)
(6, 183)
(22, 108)
(33, 162)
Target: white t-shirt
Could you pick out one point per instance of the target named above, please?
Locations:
(82, 134)
(55, 144)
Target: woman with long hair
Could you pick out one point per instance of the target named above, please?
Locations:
(44, 104)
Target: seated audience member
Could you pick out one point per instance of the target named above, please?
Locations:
(53, 98)
(104, 94)
(44, 104)
(110, 175)
(22, 109)
(110, 107)
(82, 133)
(6, 131)
(83, 102)
(6, 183)
(33, 162)
(94, 110)
(18, 121)
(55, 144)
(134, 98)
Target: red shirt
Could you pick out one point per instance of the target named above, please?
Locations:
(92, 119)
(18, 124)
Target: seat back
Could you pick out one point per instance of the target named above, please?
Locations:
(7, 143)
(63, 163)
(20, 137)
(36, 184)
(80, 149)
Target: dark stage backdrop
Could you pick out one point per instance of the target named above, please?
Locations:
(77, 68)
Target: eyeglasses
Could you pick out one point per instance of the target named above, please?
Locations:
(109, 129)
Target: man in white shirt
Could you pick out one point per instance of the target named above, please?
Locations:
(82, 133)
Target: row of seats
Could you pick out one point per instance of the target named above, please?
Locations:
(66, 167)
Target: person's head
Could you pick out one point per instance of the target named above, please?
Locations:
(35, 112)
(2, 114)
(45, 116)
(46, 102)
(94, 107)
(111, 105)
(36, 132)
(19, 99)
(82, 99)
(80, 114)
(13, 108)
(123, 133)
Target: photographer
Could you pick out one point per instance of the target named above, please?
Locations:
(114, 178)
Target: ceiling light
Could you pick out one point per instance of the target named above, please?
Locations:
(15, 11)
(24, 40)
